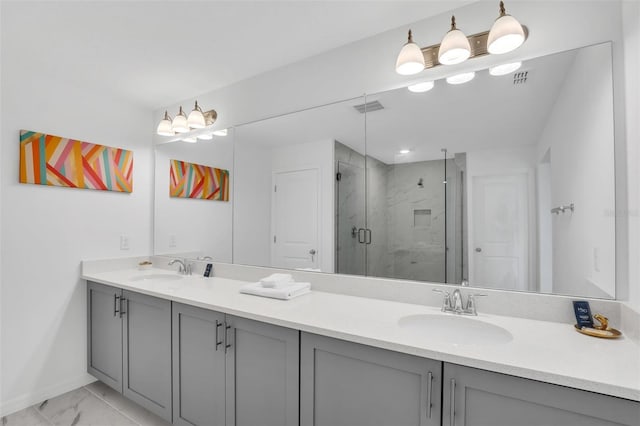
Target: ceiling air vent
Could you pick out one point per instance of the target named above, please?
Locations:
(369, 107)
(520, 77)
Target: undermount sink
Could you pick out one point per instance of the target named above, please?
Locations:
(455, 329)
(156, 277)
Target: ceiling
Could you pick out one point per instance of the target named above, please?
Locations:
(154, 53)
(486, 113)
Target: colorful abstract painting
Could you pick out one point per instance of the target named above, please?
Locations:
(189, 180)
(56, 161)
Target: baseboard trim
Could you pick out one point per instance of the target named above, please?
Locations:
(29, 399)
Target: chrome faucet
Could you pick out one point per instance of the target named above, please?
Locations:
(184, 267)
(453, 302)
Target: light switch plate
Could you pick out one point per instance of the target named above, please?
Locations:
(124, 242)
(172, 241)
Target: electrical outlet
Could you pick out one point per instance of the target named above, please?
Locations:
(124, 242)
(172, 241)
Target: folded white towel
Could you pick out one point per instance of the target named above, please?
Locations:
(276, 280)
(284, 293)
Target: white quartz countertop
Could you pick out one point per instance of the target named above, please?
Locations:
(540, 350)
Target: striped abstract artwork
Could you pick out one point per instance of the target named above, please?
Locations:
(56, 161)
(189, 180)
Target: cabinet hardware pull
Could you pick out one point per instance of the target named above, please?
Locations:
(123, 302)
(227, 345)
(429, 389)
(218, 342)
(367, 236)
(116, 302)
(452, 412)
(362, 235)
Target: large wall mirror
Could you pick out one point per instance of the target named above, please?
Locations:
(504, 182)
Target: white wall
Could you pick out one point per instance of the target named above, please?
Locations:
(47, 231)
(194, 225)
(631, 28)
(579, 133)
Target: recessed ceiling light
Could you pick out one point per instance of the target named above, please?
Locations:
(505, 69)
(404, 151)
(422, 87)
(222, 132)
(461, 78)
(190, 140)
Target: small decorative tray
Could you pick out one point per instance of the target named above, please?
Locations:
(609, 333)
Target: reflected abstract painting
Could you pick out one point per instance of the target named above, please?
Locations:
(189, 180)
(57, 161)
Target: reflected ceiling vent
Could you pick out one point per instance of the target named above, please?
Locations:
(369, 107)
(520, 77)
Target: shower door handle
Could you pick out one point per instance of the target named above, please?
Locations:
(367, 236)
(362, 233)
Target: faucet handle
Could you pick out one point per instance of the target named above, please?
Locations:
(471, 302)
(446, 300)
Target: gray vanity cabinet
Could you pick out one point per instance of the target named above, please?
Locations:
(104, 334)
(147, 352)
(473, 397)
(129, 345)
(233, 371)
(348, 384)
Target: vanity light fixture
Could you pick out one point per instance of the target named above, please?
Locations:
(221, 132)
(455, 47)
(205, 136)
(462, 78)
(505, 69)
(410, 60)
(190, 140)
(506, 34)
(164, 127)
(422, 87)
(182, 124)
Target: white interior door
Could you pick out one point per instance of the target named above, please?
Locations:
(500, 245)
(295, 212)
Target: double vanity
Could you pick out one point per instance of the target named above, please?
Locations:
(197, 352)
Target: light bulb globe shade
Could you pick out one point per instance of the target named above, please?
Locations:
(190, 140)
(505, 69)
(505, 35)
(422, 87)
(164, 128)
(454, 49)
(206, 136)
(410, 60)
(179, 123)
(465, 77)
(196, 120)
(221, 132)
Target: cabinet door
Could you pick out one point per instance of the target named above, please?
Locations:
(147, 352)
(480, 398)
(198, 367)
(262, 374)
(104, 334)
(347, 384)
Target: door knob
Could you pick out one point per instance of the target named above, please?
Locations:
(312, 252)
(478, 249)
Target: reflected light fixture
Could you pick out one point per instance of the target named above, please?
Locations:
(422, 87)
(410, 59)
(505, 69)
(222, 132)
(196, 118)
(190, 140)
(205, 136)
(182, 124)
(455, 47)
(164, 127)
(506, 34)
(462, 78)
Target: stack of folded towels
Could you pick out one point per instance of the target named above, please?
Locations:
(277, 286)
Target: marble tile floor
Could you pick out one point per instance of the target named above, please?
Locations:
(93, 405)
